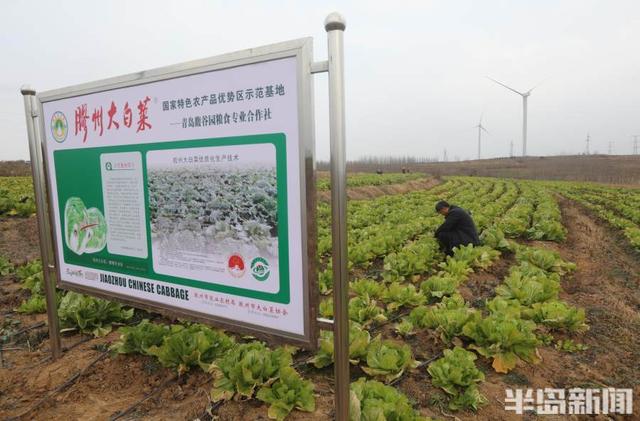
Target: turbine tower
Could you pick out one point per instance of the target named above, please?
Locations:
(480, 129)
(524, 96)
(635, 143)
(588, 141)
(511, 149)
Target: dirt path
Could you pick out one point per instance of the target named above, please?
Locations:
(19, 239)
(370, 192)
(607, 284)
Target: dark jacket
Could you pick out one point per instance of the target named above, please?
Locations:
(458, 229)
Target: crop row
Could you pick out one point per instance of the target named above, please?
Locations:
(398, 274)
(507, 328)
(620, 207)
(16, 196)
(367, 179)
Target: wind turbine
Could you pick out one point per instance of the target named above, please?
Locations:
(480, 129)
(524, 96)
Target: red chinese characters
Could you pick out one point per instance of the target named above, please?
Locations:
(125, 118)
(128, 115)
(142, 113)
(112, 111)
(81, 121)
(96, 118)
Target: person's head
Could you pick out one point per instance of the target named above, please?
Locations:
(442, 207)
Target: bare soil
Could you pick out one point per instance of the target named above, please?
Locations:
(370, 192)
(605, 284)
(611, 169)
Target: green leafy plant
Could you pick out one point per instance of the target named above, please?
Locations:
(456, 374)
(405, 328)
(548, 260)
(358, 342)
(32, 279)
(34, 305)
(325, 281)
(246, 367)
(288, 392)
(479, 256)
(508, 307)
(503, 338)
(367, 287)
(494, 237)
(398, 295)
(28, 270)
(138, 339)
(6, 267)
(558, 315)
(326, 308)
(568, 345)
(189, 346)
(373, 401)
(458, 269)
(440, 285)
(448, 322)
(415, 258)
(365, 311)
(89, 314)
(388, 359)
(528, 290)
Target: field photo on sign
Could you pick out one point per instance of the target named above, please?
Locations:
(214, 211)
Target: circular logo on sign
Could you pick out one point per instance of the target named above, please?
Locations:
(59, 127)
(260, 269)
(235, 265)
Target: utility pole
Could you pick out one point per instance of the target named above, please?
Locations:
(588, 140)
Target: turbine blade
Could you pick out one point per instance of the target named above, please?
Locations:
(538, 85)
(505, 86)
(485, 130)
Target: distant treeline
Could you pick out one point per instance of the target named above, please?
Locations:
(615, 169)
(373, 163)
(15, 168)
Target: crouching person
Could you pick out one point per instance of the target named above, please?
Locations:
(458, 228)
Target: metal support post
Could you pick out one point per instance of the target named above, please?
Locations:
(335, 25)
(46, 250)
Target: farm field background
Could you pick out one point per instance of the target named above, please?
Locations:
(555, 284)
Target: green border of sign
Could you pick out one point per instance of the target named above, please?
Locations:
(86, 161)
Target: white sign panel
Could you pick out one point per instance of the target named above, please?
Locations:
(186, 191)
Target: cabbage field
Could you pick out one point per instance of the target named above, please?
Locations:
(550, 299)
(211, 205)
(16, 196)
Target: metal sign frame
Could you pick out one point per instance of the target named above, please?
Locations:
(302, 49)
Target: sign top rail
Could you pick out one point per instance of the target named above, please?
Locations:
(222, 61)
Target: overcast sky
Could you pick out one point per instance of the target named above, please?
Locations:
(415, 70)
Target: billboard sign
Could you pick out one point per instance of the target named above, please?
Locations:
(189, 189)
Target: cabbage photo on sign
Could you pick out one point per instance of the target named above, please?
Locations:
(85, 229)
